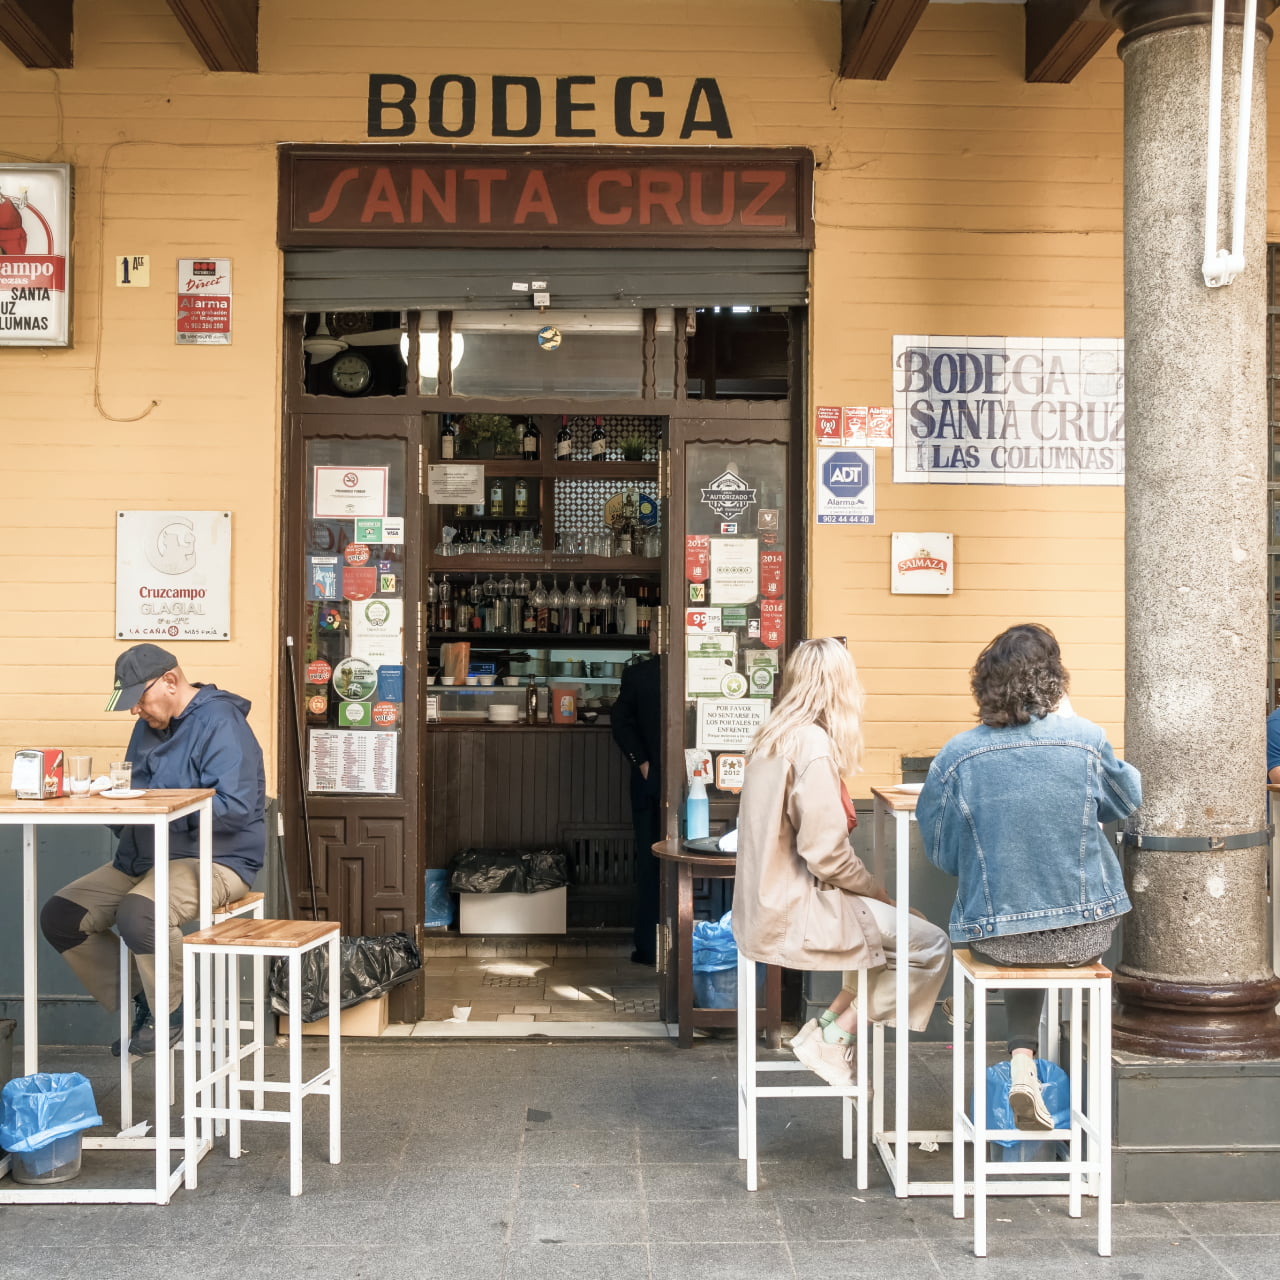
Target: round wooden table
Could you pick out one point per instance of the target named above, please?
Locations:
(682, 865)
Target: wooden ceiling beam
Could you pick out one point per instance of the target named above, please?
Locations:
(224, 32)
(37, 31)
(872, 33)
(1062, 35)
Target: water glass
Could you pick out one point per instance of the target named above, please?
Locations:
(121, 775)
(79, 774)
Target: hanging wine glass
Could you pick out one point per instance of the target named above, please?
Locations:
(506, 586)
(590, 603)
(555, 599)
(490, 588)
(538, 597)
(572, 598)
(522, 585)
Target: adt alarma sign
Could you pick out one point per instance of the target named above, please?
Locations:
(846, 486)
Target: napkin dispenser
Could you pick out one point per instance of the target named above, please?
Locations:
(37, 773)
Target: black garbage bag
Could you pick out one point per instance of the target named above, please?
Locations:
(370, 966)
(508, 870)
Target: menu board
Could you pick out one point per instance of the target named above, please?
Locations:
(352, 760)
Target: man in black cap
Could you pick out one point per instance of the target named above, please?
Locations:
(186, 735)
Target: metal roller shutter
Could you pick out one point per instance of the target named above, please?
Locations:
(455, 279)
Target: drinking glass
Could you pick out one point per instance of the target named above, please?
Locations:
(79, 774)
(121, 775)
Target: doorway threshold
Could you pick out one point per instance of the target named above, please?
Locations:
(610, 1030)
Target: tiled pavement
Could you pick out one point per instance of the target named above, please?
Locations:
(617, 1161)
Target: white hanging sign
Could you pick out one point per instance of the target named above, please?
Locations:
(173, 575)
(922, 564)
(35, 244)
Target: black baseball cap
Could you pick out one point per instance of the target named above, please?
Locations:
(135, 669)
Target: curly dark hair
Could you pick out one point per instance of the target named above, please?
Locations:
(1018, 675)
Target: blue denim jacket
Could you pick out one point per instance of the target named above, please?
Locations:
(1014, 813)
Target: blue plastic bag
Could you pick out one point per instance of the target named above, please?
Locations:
(1055, 1088)
(713, 945)
(40, 1109)
(439, 906)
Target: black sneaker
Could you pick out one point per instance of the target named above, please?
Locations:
(141, 1012)
(143, 1042)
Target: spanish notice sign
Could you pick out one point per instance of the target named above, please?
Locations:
(204, 302)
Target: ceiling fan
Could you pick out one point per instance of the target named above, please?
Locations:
(324, 345)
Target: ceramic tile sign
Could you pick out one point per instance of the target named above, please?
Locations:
(204, 302)
(921, 564)
(735, 570)
(846, 486)
(35, 241)
(729, 724)
(173, 575)
(1032, 411)
(348, 492)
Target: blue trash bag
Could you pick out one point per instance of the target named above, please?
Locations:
(38, 1110)
(713, 945)
(1055, 1088)
(439, 907)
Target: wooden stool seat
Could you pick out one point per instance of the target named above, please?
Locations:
(1014, 973)
(240, 904)
(248, 932)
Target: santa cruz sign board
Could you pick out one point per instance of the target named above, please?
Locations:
(598, 197)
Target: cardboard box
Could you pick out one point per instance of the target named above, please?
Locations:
(543, 912)
(368, 1018)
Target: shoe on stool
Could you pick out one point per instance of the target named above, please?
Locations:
(144, 1040)
(833, 1062)
(141, 1012)
(1025, 1099)
(803, 1034)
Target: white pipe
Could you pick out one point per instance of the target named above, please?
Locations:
(1221, 266)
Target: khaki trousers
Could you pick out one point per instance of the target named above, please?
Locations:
(928, 957)
(95, 960)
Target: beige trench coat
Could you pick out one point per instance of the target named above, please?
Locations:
(795, 895)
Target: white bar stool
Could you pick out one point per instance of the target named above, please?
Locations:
(226, 997)
(750, 1069)
(229, 941)
(1087, 1169)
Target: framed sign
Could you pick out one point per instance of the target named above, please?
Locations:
(35, 247)
(173, 575)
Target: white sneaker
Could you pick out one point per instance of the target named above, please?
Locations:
(803, 1034)
(1025, 1099)
(833, 1062)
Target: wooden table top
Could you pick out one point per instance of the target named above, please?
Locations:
(674, 851)
(152, 803)
(898, 801)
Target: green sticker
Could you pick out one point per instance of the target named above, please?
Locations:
(368, 529)
(355, 715)
(734, 616)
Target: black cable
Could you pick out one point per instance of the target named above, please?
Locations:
(302, 772)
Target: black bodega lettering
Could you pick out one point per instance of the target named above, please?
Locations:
(515, 107)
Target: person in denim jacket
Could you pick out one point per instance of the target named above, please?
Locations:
(1012, 809)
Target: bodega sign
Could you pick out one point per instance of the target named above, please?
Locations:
(35, 241)
(605, 197)
(1008, 411)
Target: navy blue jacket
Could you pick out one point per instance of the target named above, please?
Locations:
(209, 745)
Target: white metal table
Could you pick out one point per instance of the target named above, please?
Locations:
(894, 1145)
(156, 809)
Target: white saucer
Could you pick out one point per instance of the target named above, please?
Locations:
(121, 795)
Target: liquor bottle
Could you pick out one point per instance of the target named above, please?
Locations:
(522, 498)
(531, 440)
(564, 441)
(444, 617)
(597, 441)
(531, 702)
(642, 611)
(448, 439)
(461, 510)
(432, 602)
(618, 615)
(495, 498)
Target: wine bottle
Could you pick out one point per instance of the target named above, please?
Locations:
(564, 441)
(448, 438)
(532, 441)
(598, 441)
(495, 498)
(522, 499)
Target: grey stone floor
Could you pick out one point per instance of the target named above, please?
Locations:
(604, 1161)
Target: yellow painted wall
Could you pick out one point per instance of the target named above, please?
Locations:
(953, 198)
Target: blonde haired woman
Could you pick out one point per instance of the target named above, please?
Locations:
(802, 898)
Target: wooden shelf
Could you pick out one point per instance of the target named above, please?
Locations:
(549, 467)
(545, 563)
(538, 640)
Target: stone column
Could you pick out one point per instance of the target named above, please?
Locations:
(1195, 980)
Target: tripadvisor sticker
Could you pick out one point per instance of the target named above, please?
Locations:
(734, 685)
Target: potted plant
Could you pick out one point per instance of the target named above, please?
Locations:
(490, 434)
(633, 448)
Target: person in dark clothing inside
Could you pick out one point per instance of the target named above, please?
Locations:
(637, 729)
(186, 735)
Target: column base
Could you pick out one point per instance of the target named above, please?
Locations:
(1230, 1022)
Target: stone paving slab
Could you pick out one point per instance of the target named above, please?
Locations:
(518, 1160)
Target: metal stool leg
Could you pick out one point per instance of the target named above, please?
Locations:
(957, 1093)
(861, 1171)
(295, 1072)
(747, 1021)
(1100, 1106)
(979, 1118)
(1075, 1179)
(126, 1019)
(335, 1053)
(190, 1074)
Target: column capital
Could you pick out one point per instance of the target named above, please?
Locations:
(1142, 17)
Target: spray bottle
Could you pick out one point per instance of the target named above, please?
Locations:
(697, 810)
